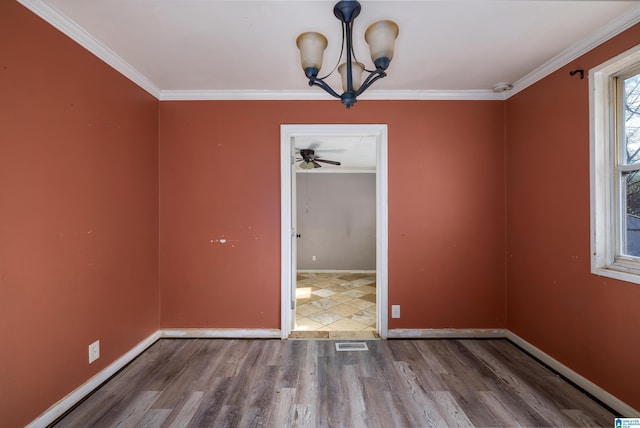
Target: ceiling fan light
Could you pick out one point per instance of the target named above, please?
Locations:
(312, 46)
(306, 165)
(357, 69)
(381, 37)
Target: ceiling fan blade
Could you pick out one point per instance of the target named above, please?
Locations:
(316, 164)
(316, 147)
(328, 161)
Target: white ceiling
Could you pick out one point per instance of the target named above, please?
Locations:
(216, 49)
(356, 154)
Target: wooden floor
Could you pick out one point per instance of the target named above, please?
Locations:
(307, 383)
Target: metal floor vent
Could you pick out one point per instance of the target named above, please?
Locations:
(352, 346)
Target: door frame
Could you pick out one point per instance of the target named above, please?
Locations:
(288, 134)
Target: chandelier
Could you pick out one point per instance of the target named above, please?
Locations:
(380, 36)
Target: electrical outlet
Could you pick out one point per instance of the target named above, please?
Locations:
(94, 351)
(313, 258)
(395, 311)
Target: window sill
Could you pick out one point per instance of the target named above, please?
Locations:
(617, 272)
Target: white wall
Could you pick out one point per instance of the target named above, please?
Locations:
(336, 218)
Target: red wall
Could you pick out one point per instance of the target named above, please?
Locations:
(81, 230)
(78, 214)
(220, 178)
(587, 322)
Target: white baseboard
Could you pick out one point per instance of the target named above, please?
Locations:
(62, 406)
(334, 271)
(445, 333)
(221, 333)
(66, 403)
(577, 379)
(582, 382)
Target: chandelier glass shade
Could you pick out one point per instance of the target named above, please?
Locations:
(380, 36)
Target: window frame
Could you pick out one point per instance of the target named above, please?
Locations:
(605, 175)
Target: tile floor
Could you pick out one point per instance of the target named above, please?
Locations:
(336, 302)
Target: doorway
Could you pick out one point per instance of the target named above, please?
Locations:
(303, 135)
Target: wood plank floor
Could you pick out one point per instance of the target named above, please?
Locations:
(307, 383)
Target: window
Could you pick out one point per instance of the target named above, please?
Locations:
(615, 167)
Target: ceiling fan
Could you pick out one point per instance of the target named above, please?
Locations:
(310, 159)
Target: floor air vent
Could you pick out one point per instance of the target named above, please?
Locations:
(352, 346)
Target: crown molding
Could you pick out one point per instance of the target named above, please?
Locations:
(211, 95)
(575, 51)
(84, 39)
